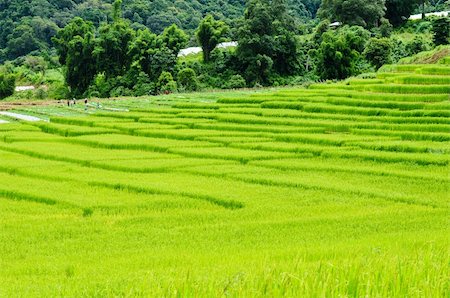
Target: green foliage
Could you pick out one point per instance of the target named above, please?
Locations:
(378, 51)
(151, 54)
(174, 38)
(340, 52)
(239, 194)
(417, 45)
(111, 50)
(209, 34)
(22, 41)
(266, 42)
(80, 64)
(7, 85)
(441, 31)
(76, 27)
(41, 94)
(165, 83)
(398, 11)
(353, 12)
(235, 82)
(187, 79)
(385, 28)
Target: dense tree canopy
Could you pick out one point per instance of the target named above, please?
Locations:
(267, 41)
(353, 12)
(398, 11)
(45, 17)
(209, 34)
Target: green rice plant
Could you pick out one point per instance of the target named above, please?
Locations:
(282, 105)
(405, 135)
(241, 194)
(389, 97)
(409, 89)
(434, 70)
(423, 80)
(354, 81)
(71, 130)
(376, 104)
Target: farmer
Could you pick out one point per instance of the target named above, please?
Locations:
(85, 104)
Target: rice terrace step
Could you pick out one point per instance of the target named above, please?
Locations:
(257, 186)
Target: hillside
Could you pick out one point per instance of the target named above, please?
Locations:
(28, 25)
(337, 190)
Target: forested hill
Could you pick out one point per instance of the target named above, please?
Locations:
(28, 25)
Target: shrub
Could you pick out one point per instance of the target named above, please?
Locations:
(7, 85)
(121, 91)
(59, 91)
(187, 79)
(41, 93)
(417, 45)
(385, 28)
(441, 31)
(398, 49)
(378, 51)
(166, 84)
(236, 81)
(339, 54)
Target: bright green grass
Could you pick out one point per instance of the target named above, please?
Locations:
(340, 190)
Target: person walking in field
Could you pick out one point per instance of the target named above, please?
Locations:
(85, 104)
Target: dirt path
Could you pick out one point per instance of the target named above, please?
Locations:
(6, 106)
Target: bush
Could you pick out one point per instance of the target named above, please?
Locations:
(378, 51)
(339, 54)
(7, 85)
(121, 91)
(235, 82)
(58, 91)
(441, 31)
(385, 28)
(166, 84)
(187, 79)
(41, 93)
(417, 45)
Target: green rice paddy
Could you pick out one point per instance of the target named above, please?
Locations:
(338, 190)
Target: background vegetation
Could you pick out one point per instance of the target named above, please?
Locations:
(108, 49)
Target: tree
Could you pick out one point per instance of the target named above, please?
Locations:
(340, 52)
(166, 84)
(80, 68)
(151, 54)
(378, 51)
(76, 27)
(266, 41)
(441, 31)
(111, 50)
(7, 85)
(398, 11)
(75, 45)
(22, 41)
(187, 78)
(353, 12)
(209, 34)
(174, 38)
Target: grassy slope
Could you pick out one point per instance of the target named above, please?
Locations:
(339, 190)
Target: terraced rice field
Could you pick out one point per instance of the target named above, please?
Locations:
(338, 190)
